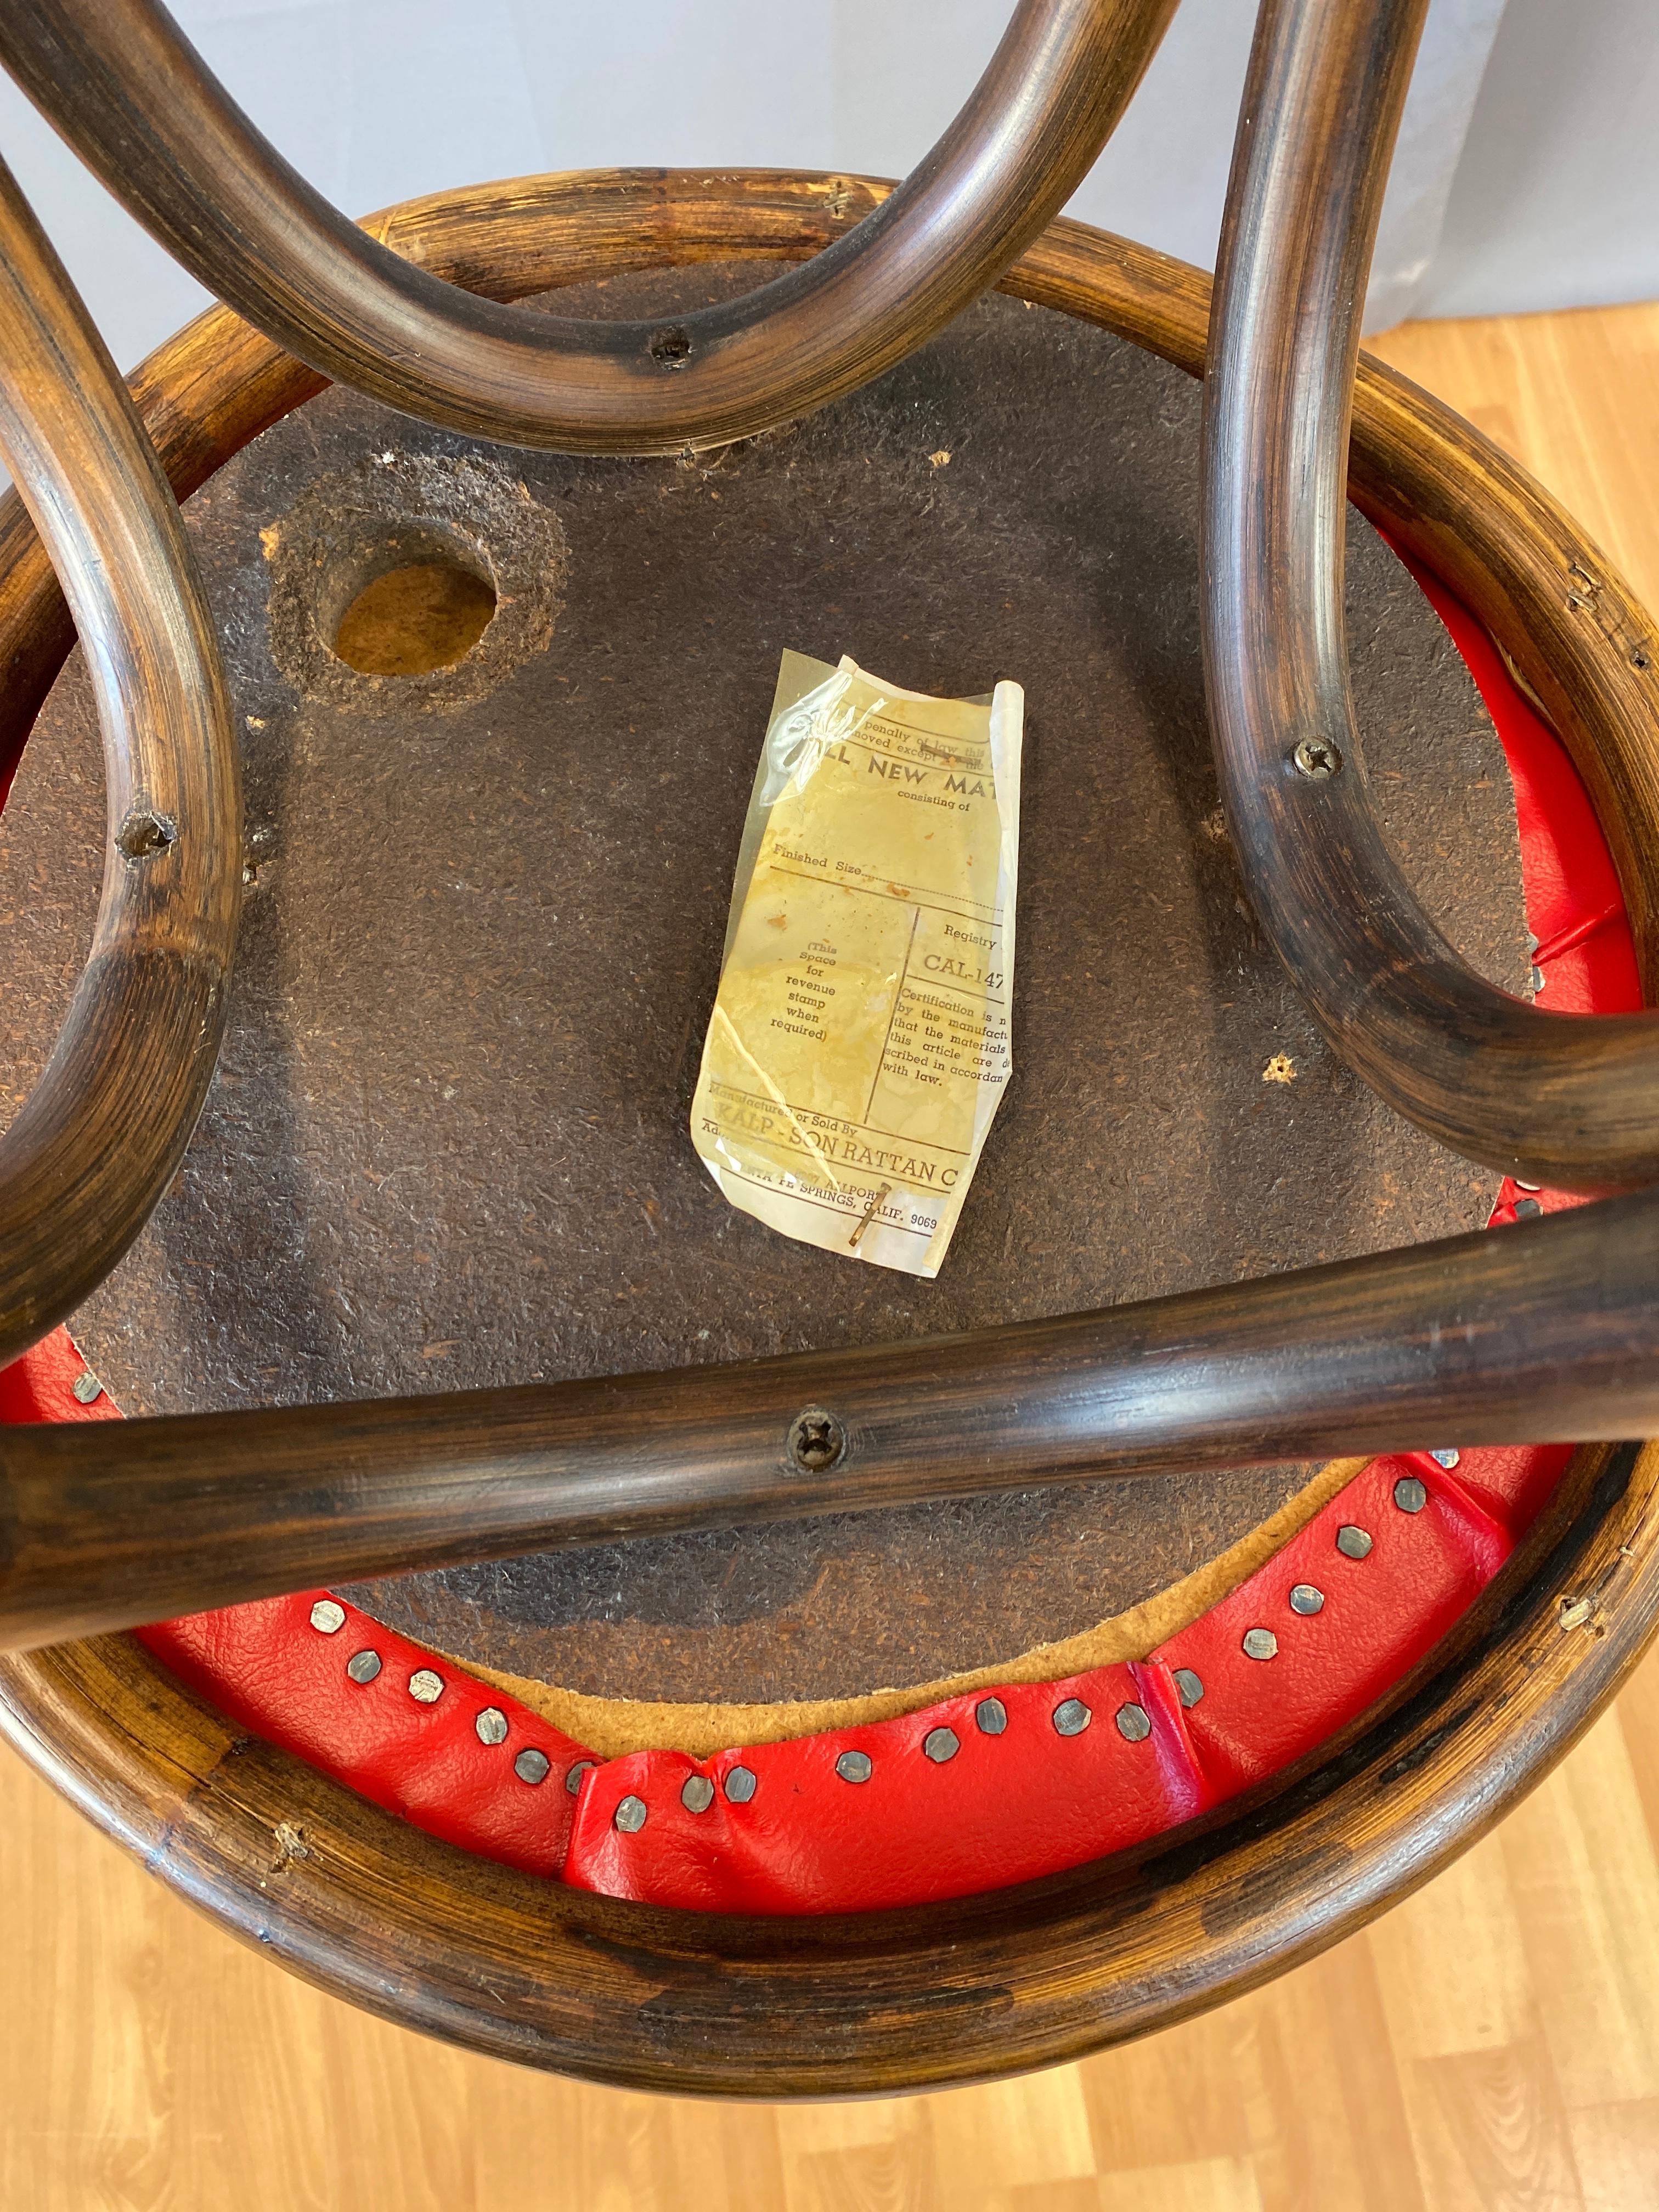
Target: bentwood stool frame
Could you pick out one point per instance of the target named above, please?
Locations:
(1549, 1331)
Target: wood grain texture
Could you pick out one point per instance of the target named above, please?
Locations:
(574, 1982)
(1547, 1331)
(102, 1133)
(119, 80)
(641, 1997)
(151, 2062)
(204, 393)
(1424, 462)
(1574, 396)
(1479, 2047)
(1538, 1094)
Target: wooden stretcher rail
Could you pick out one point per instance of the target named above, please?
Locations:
(1562, 1101)
(129, 92)
(102, 1135)
(1542, 1333)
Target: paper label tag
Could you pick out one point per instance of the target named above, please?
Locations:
(860, 1042)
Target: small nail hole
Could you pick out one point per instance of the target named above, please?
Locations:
(671, 349)
(145, 833)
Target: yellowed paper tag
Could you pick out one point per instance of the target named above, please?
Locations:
(860, 1042)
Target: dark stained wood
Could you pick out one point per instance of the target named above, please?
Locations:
(201, 409)
(1550, 598)
(465, 1949)
(284, 1265)
(1514, 556)
(1546, 1096)
(123, 85)
(692, 2003)
(1547, 1331)
(101, 1134)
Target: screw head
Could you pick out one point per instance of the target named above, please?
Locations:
(855, 1767)
(363, 1666)
(990, 1716)
(1527, 1209)
(1306, 1599)
(327, 1618)
(817, 1440)
(631, 1815)
(1410, 1494)
(532, 1766)
(573, 1780)
(1353, 1543)
(740, 1784)
(490, 1726)
(1071, 1716)
(1318, 759)
(87, 1388)
(941, 1744)
(696, 1793)
(1260, 1643)
(426, 1688)
(1448, 1458)
(1132, 1724)
(1189, 1688)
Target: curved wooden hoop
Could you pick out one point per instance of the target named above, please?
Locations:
(529, 1970)
(121, 83)
(1564, 1100)
(468, 1950)
(101, 1136)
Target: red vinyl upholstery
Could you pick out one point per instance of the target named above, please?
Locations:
(800, 1826)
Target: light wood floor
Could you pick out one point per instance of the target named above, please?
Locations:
(1493, 2042)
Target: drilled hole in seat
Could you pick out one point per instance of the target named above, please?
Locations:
(412, 619)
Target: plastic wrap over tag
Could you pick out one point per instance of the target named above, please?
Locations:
(860, 1042)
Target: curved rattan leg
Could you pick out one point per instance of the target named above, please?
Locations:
(99, 1138)
(1561, 1100)
(123, 85)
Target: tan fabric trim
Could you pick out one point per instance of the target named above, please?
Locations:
(613, 1726)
